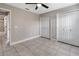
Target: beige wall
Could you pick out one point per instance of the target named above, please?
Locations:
(23, 24)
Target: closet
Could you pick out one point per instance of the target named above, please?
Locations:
(53, 27)
(68, 27)
(44, 25)
(48, 26)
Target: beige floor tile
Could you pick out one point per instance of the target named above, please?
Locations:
(40, 47)
(39, 52)
(42, 50)
(1, 53)
(8, 48)
(23, 51)
(74, 51)
(11, 52)
(63, 52)
(74, 54)
(51, 52)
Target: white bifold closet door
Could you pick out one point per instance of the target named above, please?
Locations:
(44, 22)
(53, 27)
(68, 27)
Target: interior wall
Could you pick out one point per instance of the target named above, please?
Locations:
(23, 24)
(56, 12)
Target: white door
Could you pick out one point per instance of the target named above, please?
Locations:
(53, 27)
(74, 27)
(44, 26)
(67, 28)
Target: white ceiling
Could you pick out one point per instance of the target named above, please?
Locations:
(31, 7)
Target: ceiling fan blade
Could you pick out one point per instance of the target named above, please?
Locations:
(36, 8)
(30, 3)
(44, 6)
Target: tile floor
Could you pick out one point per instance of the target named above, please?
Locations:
(40, 47)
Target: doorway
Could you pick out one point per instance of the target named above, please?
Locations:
(48, 27)
(4, 28)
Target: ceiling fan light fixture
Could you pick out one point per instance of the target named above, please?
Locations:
(39, 5)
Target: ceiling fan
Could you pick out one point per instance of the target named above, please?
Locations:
(38, 5)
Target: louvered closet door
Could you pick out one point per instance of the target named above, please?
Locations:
(63, 27)
(53, 27)
(74, 27)
(68, 28)
(44, 26)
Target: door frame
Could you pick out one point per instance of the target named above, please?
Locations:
(9, 25)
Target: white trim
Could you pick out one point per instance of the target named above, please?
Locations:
(21, 41)
(57, 24)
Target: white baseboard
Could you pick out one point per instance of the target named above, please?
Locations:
(24, 40)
